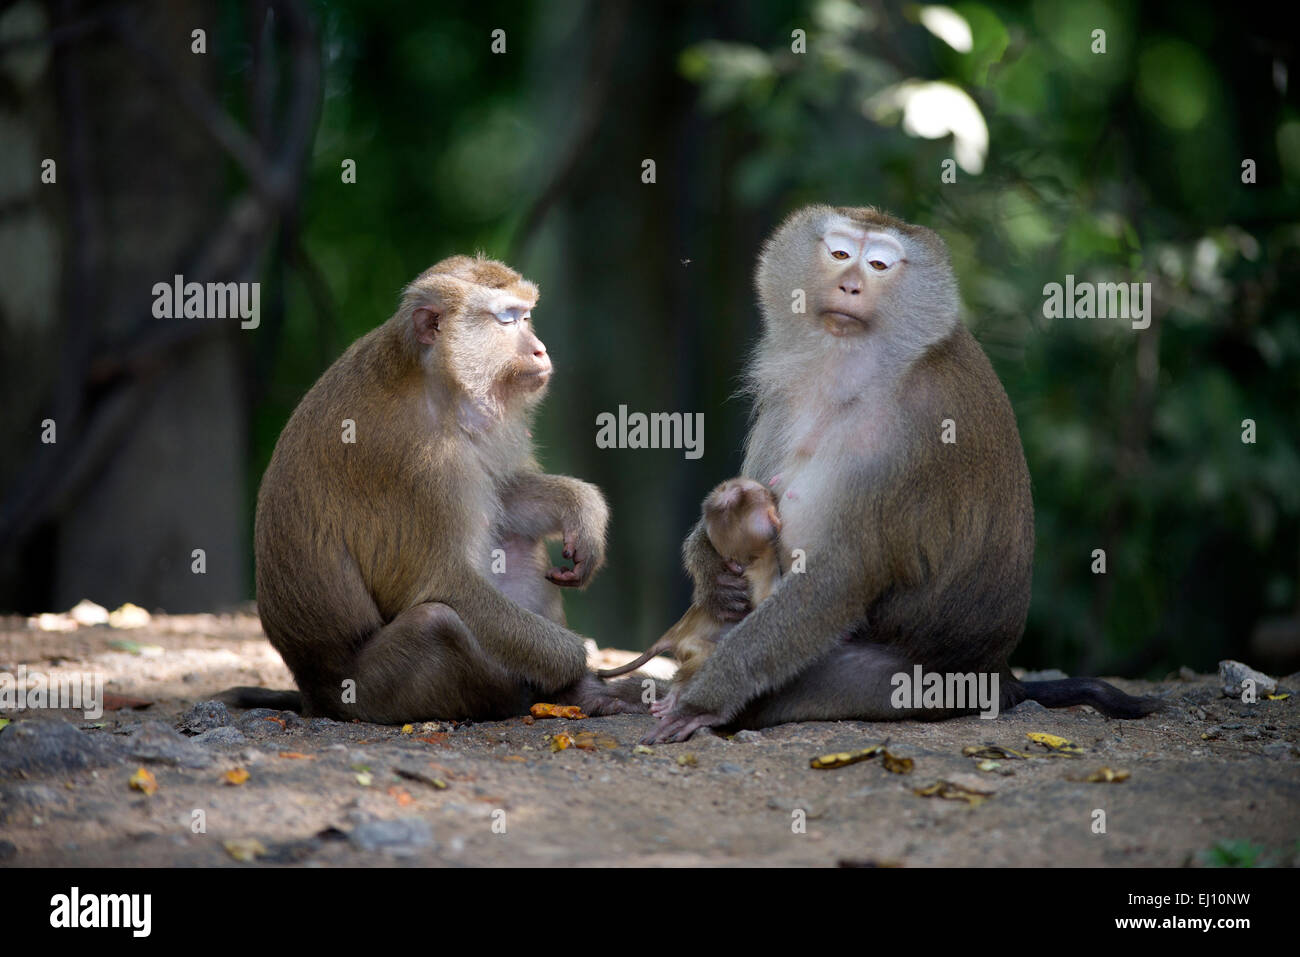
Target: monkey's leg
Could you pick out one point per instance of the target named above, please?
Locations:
(852, 681)
(596, 697)
(426, 664)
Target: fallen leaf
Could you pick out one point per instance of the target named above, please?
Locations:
(4, 723)
(1055, 743)
(365, 779)
(245, 848)
(1278, 697)
(514, 757)
(894, 763)
(688, 760)
(571, 711)
(143, 780)
(842, 759)
(236, 776)
(408, 729)
(438, 738)
(529, 719)
(1104, 776)
(992, 751)
(436, 783)
(561, 741)
(279, 721)
(643, 749)
(591, 741)
(954, 792)
(402, 797)
(297, 756)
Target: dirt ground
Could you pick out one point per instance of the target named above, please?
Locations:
(1206, 771)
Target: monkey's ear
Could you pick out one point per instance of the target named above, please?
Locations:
(424, 320)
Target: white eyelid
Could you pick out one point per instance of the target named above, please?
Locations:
(836, 241)
(882, 248)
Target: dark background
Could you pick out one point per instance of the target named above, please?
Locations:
(223, 166)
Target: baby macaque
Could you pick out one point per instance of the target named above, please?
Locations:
(741, 520)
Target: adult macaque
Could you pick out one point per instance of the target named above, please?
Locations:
(741, 521)
(918, 550)
(401, 565)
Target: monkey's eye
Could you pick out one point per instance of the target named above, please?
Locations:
(878, 266)
(839, 254)
(508, 316)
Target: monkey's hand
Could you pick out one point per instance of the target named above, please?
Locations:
(586, 554)
(583, 519)
(679, 724)
(720, 588)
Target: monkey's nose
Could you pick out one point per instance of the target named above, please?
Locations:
(851, 287)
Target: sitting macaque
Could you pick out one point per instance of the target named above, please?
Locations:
(743, 526)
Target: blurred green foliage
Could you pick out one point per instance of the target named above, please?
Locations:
(1117, 166)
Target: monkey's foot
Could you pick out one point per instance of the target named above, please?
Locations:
(665, 704)
(679, 727)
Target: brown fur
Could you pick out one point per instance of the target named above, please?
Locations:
(741, 521)
(374, 559)
(918, 552)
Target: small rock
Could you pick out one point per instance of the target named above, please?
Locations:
(400, 838)
(129, 616)
(51, 746)
(1028, 706)
(322, 724)
(87, 613)
(155, 741)
(205, 716)
(728, 768)
(219, 736)
(1281, 750)
(1186, 674)
(747, 737)
(1233, 673)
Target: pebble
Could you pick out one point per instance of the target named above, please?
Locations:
(155, 741)
(1233, 673)
(36, 746)
(205, 716)
(220, 736)
(747, 736)
(401, 837)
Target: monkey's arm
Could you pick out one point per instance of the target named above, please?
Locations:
(537, 506)
(720, 587)
(803, 620)
(530, 646)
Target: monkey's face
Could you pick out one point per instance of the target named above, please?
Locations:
(741, 519)
(857, 274)
(472, 320)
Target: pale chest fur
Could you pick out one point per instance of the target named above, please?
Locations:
(810, 446)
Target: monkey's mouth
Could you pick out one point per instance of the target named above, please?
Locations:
(839, 323)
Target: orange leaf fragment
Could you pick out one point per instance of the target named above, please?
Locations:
(236, 776)
(297, 756)
(143, 780)
(402, 797)
(541, 710)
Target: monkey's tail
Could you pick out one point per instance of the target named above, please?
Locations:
(1065, 692)
(655, 649)
(246, 697)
